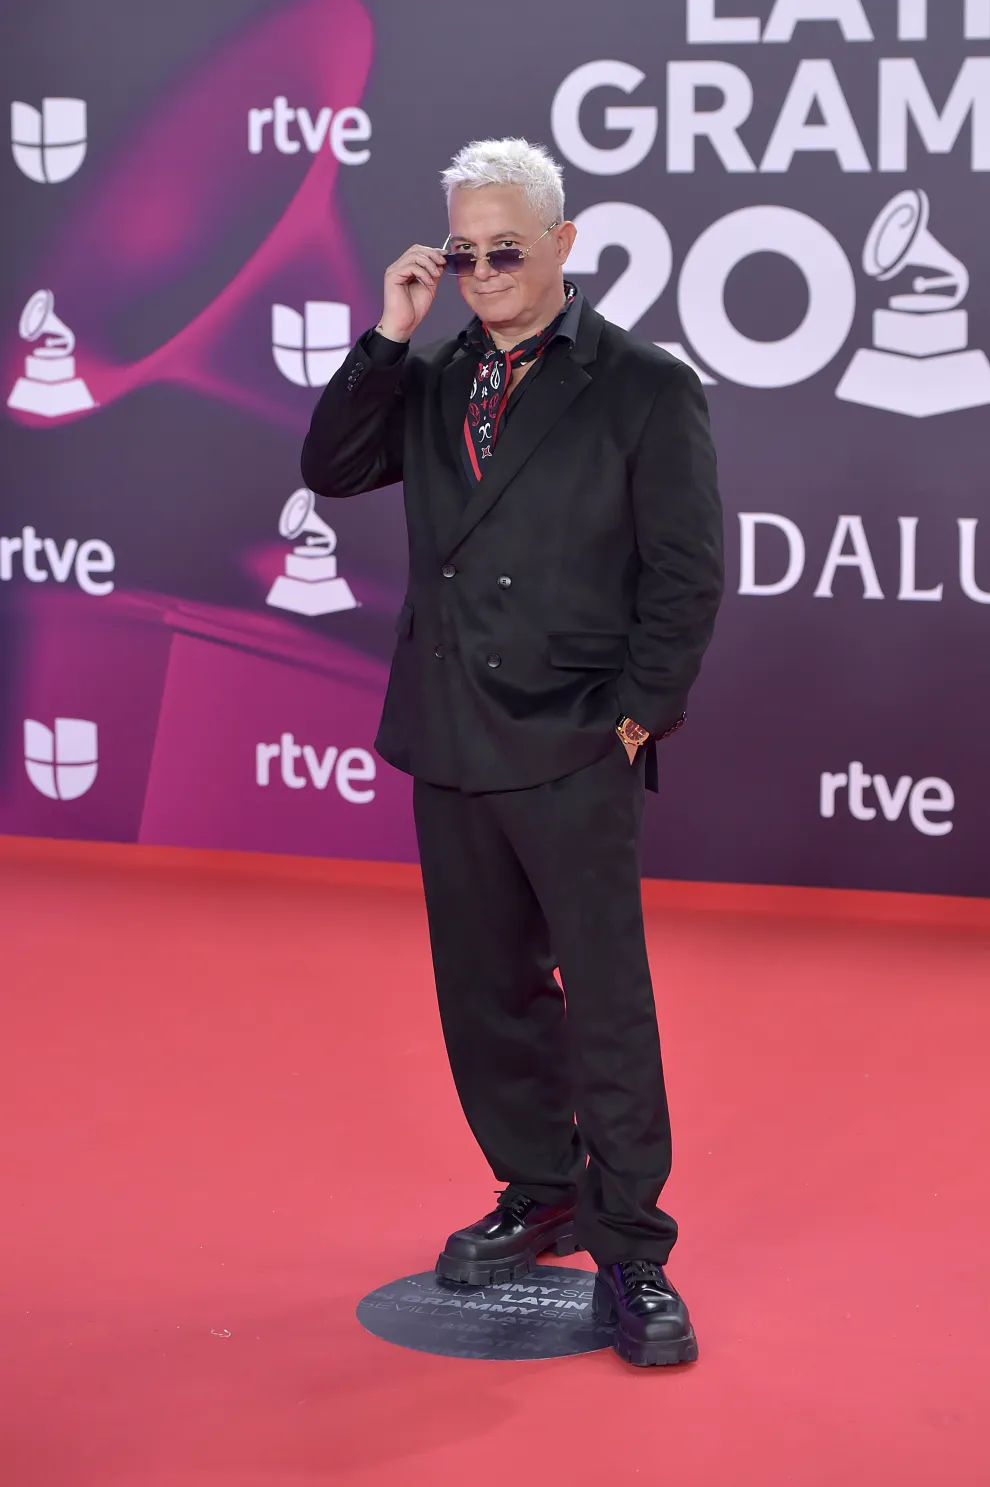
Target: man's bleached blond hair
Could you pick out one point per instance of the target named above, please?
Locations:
(510, 162)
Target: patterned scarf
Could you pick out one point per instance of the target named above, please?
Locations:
(490, 391)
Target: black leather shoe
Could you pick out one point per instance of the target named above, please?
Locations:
(503, 1246)
(653, 1322)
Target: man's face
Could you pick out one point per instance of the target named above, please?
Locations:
(500, 217)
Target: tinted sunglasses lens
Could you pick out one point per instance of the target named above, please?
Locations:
(504, 260)
(460, 264)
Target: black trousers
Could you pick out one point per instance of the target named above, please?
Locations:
(517, 883)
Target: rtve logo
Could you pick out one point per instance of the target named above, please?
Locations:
(923, 798)
(81, 560)
(49, 144)
(340, 130)
(61, 764)
(344, 766)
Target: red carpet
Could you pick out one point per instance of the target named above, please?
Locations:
(227, 1117)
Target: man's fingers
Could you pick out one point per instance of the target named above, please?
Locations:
(415, 274)
(436, 254)
(423, 260)
(420, 260)
(418, 257)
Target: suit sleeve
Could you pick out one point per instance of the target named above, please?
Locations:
(354, 442)
(678, 519)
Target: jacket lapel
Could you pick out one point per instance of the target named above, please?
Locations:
(559, 382)
(455, 384)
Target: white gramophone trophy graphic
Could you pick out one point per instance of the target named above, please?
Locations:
(49, 387)
(310, 584)
(919, 363)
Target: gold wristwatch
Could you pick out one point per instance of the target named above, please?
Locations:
(630, 732)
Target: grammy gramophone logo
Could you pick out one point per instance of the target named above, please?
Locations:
(920, 362)
(49, 387)
(310, 584)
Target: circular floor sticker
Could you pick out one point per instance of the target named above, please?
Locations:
(545, 1315)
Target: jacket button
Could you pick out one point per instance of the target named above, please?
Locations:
(494, 660)
(439, 652)
(448, 570)
(504, 581)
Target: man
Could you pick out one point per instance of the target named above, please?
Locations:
(564, 573)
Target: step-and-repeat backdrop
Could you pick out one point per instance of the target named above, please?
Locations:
(199, 201)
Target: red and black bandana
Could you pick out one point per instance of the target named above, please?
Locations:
(490, 391)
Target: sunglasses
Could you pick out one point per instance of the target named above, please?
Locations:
(502, 260)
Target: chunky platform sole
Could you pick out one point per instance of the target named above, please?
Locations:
(640, 1352)
(459, 1272)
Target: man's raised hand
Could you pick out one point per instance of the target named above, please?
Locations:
(410, 286)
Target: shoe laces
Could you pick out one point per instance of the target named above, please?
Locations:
(640, 1272)
(518, 1205)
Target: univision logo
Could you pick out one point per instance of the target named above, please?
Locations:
(61, 764)
(49, 144)
(309, 347)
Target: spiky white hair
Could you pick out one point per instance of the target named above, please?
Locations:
(510, 162)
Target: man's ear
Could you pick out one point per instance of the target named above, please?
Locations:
(565, 235)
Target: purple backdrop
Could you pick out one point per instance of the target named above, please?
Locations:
(791, 194)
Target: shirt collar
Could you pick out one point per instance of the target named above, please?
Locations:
(569, 325)
(470, 336)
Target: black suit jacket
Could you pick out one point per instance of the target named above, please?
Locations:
(578, 580)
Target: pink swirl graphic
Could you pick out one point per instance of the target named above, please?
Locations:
(182, 187)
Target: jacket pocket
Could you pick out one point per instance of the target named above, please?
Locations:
(404, 620)
(585, 650)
